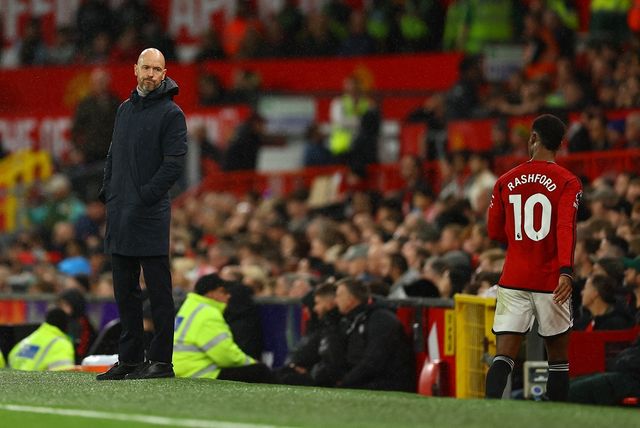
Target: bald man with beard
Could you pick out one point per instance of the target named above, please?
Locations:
(145, 159)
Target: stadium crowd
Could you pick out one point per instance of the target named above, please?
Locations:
(425, 240)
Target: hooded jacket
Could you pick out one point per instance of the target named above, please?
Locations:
(379, 353)
(145, 159)
(203, 343)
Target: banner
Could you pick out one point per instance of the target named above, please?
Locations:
(14, 15)
(52, 133)
(42, 90)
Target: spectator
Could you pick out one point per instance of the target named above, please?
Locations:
(315, 150)
(479, 182)
(127, 46)
(89, 226)
(243, 149)
(319, 357)
(462, 100)
(31, 49)
(345, 113)
(611, 387)
(61, 205)
(80, 329)
(63, 51)
(632, 286)
(364, 148)
(204, 346)
(598, 298)
(211, 92)
(243, 316)
(379, 355)
(209, 47)
(153, 34)
(237, 29)
(632, 130)
(316, 40)
(94, 118)
(357, 42)
(47, 348)
(94, 17)
(433, 114)
(397, 272)
(74, 262)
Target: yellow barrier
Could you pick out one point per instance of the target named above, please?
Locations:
(474, 343)
(17, 171)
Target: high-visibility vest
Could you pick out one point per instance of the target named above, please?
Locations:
(47, 348)
(341, 136)
(490, 22)
(620, 6)
(202, 341)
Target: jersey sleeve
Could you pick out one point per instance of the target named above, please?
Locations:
(566, 225)
(496, 216)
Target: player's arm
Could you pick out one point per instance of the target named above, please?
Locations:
(496, 216)
(566, 237)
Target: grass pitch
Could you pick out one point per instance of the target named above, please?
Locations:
(71, 400)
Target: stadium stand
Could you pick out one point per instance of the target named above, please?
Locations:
(440, 97)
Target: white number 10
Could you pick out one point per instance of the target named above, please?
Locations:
(530, 203)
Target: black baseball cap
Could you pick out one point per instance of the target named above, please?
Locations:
(210, 282)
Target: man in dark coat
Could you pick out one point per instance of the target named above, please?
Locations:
(611, 387)
(145, 159)
(242, 152)
(319, 358)
(379, 354)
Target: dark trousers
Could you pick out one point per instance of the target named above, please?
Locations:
(126, 289)
(253, 373)
(604, 388)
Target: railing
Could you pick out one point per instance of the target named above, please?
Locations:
(386, 177)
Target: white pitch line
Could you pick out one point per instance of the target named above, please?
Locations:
(152, 420)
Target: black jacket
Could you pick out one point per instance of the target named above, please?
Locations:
(145, 159)
(322, 351)
(616, 319)
(243, 316)
(628, 360)
(379, 354)
(93, 126)
(242, 152)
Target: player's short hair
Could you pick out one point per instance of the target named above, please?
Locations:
(358, 289)
(550, 130)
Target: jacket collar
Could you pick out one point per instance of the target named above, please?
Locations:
(168, 88)
(52, 329)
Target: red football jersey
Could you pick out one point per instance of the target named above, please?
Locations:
(533, 210)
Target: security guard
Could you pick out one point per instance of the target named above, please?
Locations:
(203, 346)
(47, 348)
(345, 113)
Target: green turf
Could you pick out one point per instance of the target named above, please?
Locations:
(277, 405)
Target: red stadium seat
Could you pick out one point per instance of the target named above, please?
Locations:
(433, 379)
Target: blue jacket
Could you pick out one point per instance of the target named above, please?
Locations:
(145, 159)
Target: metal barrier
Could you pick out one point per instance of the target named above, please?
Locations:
(475, 343)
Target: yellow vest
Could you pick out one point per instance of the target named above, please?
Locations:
(202, 341)
(340, 140)
(490, 22)
(620, 6)
(47, 348)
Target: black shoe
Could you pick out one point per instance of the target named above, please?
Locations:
(118, 371)
(152, 370)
